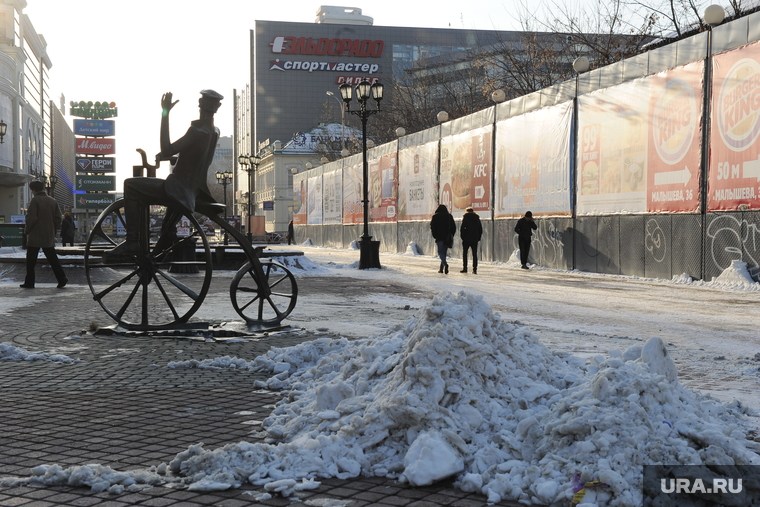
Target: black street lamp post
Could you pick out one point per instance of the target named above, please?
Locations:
(250, 165)
(369, 251)
(224, 178)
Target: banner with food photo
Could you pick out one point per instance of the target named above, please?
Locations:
(299, 199)
(533, 163)
(314, 201)
(418, 182)
(612, 151)
(382, 188)
(332, 196)
(466, 172)
(734, 174)
(353, 213)
(675, 139)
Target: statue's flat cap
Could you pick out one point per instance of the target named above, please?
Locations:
(211, 94)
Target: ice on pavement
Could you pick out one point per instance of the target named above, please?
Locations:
(458, 392)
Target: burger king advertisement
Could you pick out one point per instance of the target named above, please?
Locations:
(466, 172)
(332, 197)
(675, 133)
(612, 151)
(734, 176)
(418, 182)
(533, 163)
(353, 213)
(382, 188)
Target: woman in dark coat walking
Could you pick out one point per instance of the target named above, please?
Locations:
(443, 227)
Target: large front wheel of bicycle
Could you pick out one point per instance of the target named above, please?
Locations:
(161, 286)
(267, 310)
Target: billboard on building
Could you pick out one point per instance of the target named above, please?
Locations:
(314, 200)
(734, 174)
(95, 146)
(353, 212)
(332, 196)
(465, 174)
(675, 139)
(612, 151)
(95, 128)
(418, 182)
(382, 189)
(299, 199)
(533, 163)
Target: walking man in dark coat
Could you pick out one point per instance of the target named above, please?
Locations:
(524, 229)
(443, 228)
(42, 220)
(470, 231)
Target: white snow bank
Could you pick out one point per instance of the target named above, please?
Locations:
(412, 249)
(9, 352)
(457, 391)
(735, 277)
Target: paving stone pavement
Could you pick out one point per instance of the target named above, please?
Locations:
(123, 408)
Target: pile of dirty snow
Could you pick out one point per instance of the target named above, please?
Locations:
(458, 392)
(734, 277)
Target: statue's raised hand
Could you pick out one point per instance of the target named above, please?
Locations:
(166, 102)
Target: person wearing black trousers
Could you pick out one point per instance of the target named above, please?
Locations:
(443, 228)
(524, 229)
(470, 231)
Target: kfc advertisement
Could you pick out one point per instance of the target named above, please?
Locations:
(466, 172)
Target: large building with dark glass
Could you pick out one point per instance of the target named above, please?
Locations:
(294, 65)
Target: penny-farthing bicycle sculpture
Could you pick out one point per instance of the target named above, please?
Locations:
(166, 282)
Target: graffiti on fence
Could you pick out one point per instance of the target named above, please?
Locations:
(731, 238)
(655, 241)
(547, 247)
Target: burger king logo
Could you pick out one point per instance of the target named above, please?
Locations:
(739, 104)
(674, 121)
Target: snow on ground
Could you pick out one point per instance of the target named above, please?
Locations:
(9, 352)
(458, 391)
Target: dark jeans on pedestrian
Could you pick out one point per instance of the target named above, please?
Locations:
(524, 250)
(31, 262)
(442, 249)
(67, 240)
(465, 248)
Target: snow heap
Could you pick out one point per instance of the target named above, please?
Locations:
(459, 392)
(735, 277)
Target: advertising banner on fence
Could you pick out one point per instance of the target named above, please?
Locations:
(466, 172)
(299, 199)
(332, 197)
(418, 182)
(533, 163)
(353, 213)
(382, 189)
(675, 134)
(314, 200)
(612, 151)
(734, 176)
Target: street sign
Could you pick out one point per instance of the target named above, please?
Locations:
(95, 146)
(97, 182)
(94, 201)
(268, 205)
(94, 128)
(96, 165)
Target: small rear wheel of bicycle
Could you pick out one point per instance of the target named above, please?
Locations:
(162, 285)
(267, 310)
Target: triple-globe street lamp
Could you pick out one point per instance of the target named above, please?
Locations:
(369, 251)
(250, 164)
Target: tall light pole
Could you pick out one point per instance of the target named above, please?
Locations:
(224, 178)
(342, 123)
(251, 167)
(369, 251)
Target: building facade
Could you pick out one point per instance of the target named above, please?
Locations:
(294, 65)
(25, 150)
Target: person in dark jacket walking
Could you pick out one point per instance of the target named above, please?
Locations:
(291, 233)
(42, 220)
(524, 229)
(443, 227)
(470, 231)
(67, 229)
